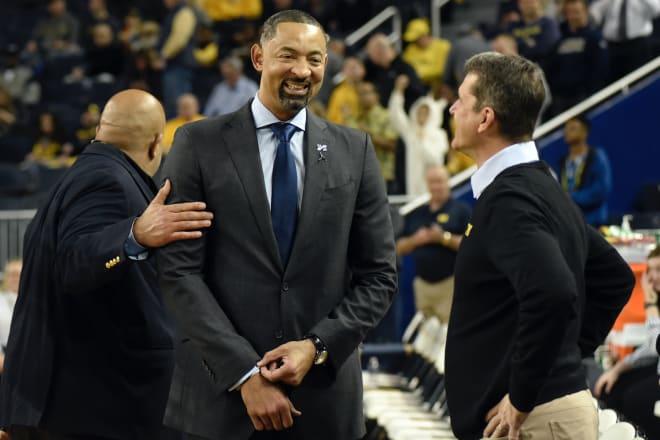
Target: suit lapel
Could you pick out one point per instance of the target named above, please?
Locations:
(241, 141)
(316, 172)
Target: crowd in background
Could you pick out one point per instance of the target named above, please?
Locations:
(60, 64)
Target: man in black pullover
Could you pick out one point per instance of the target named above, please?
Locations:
(536, 289)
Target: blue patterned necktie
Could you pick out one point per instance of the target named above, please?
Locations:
(284, 199)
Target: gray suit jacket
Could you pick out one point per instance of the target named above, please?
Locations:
(234, 300)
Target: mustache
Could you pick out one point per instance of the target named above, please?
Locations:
(304, 82)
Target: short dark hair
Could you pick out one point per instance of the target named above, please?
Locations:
(655, 252)
(269, 29)
(513, 87)
(582, 119)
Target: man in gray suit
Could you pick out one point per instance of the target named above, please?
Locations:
(299, 264)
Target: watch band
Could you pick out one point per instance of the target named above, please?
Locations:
(321, 350)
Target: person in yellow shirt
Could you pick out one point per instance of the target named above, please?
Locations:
(427, 54)
(187, 108)
(344, 101)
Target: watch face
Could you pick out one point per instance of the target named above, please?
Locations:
(321, 357)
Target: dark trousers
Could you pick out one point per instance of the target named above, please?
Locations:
(634, 396)
(32, 433)
(258, 435)
(626, 56)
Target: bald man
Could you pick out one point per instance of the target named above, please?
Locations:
(90, 349)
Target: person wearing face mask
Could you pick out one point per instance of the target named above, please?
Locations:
(631, 386)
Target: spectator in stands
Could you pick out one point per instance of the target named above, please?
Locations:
(8, 114)
(147, 38)
(433, 233)
(507, 13)
(535, 287)
(187, 111)
(425, 141)
(233, 91)
(144, 72)
(206, 47)
(384, 65)
(54, 35)
(104, 58)
(97, 13)
(130, 31)
(578, 66)
(176, 46)
(535, 33)
(51, 148)
(374, 119)
(507, 45)
(585, 172)
(86, 132)
(234, 21)
(344, 102)
(628, 39)
(631, 386)
(11, 276)
(18, 79)
(470, 42)
(90, 352)
(425, 53)
(336, 50)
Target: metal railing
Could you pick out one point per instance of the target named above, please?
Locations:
(436, 25)
(389, 13)
(12, 230)
(620, 86)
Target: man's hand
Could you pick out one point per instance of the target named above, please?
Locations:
(504, 418)
(288, 363)
(267, 405)
(401, 83)
(606, 381)
(161, 224)
(421, 237)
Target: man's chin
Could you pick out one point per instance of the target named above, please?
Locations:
(294, 102)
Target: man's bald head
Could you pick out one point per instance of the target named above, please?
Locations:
(133, 121)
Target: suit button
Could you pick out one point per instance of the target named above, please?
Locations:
(279, 334)
(285, 287)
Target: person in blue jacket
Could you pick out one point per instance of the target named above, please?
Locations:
(585, 172)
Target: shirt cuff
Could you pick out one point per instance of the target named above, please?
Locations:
(242, 380)
(134, 250)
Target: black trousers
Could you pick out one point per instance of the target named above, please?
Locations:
(258, 435)
(634, 396)
(32, 433)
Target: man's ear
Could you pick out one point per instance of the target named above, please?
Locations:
(257, 57)
(155, 146)
(487, 119)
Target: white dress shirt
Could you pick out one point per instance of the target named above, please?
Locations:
(515, 154)
(639, 17)
(268, 144)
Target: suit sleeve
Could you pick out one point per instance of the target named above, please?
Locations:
(608, 285)
(181, 268)
(371, 260)
(94, 224)
(523, 248)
